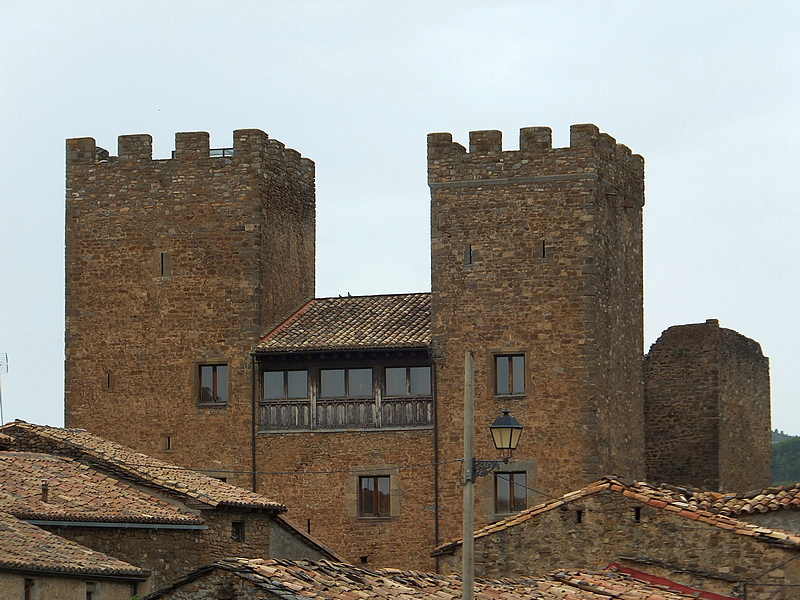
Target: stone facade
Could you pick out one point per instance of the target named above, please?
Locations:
(175, 263)
(633, 526)
(43, 586)
(538, 253)
(536, 268)
(707, 409)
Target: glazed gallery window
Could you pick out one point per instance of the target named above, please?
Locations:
(346, 398)
(285, 385)
(345, 383)
(213, 383)
(510, 492)
(373, 496)
(408, 381)
(509, 372)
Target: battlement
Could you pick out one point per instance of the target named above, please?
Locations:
(251, 147)
(588, 148)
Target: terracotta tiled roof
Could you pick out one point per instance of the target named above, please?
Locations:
(770, 499)
(134, 466)
(663, 498)
(303, 579)
(27, 547)
(75, 492)
(354, 322)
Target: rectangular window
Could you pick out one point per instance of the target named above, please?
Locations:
(345, 383)
(91, 591)
(408, 381)
(509, 374)
(373, 496)
(510, 492)
(285, 385)
(28, 588)
(237, 531)
(213, 383)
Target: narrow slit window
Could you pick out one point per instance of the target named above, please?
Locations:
(468, 254)
(165, 264)
(237, 531)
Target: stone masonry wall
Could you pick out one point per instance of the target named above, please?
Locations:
(173, 263)
(172, 553)
(12, 586)
(707, 409)
(539, 252)
(660, 542)
(316, 475)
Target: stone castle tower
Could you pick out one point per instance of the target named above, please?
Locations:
(173, 269)
(537, 268)
(707, 409)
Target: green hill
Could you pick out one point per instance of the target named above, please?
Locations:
(786, 461)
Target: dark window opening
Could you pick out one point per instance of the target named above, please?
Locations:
(579, 516)
(637, 515)
(510, 492)
(373, 496)
(346, 383)
(165, 264)
(166, 442)
(28, 589)
(91, 591)
(285, 385)
(408, 381)
(468, 255)
(509, 374)
(237, 531)
(213, 383)
(544, 249)
(108, 382)
(364, 560)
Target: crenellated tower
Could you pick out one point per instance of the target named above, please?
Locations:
(174, 267)
(537, 268)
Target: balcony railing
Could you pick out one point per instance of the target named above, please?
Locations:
(346, 413)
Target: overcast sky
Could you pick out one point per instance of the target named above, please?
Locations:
(707, 92)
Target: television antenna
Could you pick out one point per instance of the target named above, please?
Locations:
(3, 371)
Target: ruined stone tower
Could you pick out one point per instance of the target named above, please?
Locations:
(537, 268)
(173, 269)
(707, 409)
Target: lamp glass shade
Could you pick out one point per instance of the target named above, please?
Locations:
(506, 431)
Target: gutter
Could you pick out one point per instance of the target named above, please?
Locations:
(40, 523)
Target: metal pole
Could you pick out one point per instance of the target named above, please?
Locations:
(468, 525)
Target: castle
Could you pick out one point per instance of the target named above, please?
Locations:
(193, 334)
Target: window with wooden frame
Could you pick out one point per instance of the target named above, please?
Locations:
(213, 383)
(345, 383)
(509, 374)
(510, 492)
(373, 496)
(285, 385)
(407, 381)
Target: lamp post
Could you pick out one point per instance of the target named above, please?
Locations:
(506, 432)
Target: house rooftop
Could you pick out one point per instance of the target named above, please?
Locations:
(134, 466)
(36, 486)
(354, 323)
(664, 498)
(737, 505)
(336, 581)
(25, 547)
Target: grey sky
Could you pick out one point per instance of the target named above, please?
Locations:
(707, 92)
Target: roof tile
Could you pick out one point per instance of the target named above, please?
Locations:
(354, 322)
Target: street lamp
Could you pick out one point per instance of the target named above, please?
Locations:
(506, 432)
